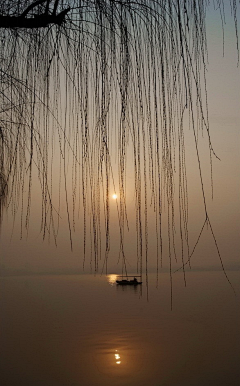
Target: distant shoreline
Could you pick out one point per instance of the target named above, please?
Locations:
(11, 273)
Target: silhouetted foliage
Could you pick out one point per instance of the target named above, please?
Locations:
(89, 73)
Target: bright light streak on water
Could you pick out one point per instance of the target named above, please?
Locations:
(112, 278)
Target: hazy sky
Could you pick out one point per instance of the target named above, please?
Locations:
(223, 85)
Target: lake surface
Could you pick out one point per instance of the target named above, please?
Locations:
(85, 330)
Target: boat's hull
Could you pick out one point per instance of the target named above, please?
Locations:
(125, 282)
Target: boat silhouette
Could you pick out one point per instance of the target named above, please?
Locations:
(128, 281)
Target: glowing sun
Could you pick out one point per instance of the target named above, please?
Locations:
(114, 196)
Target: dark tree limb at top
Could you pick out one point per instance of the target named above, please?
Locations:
(40, 20)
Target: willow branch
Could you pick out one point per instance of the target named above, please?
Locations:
(38, 21)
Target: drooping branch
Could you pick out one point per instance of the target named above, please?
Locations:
(125, 72)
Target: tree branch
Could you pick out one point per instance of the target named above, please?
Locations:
(55, 7)
(31, 6)
(38, 21)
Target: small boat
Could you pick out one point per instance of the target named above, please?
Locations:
(129, 282)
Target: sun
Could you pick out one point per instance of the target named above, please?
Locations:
(114, 196)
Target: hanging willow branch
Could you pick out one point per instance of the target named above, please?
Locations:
(86, 75)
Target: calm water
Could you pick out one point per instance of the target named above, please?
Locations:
(84, 330)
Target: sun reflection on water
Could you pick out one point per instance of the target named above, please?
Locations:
(117, 357)
(112, 278)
